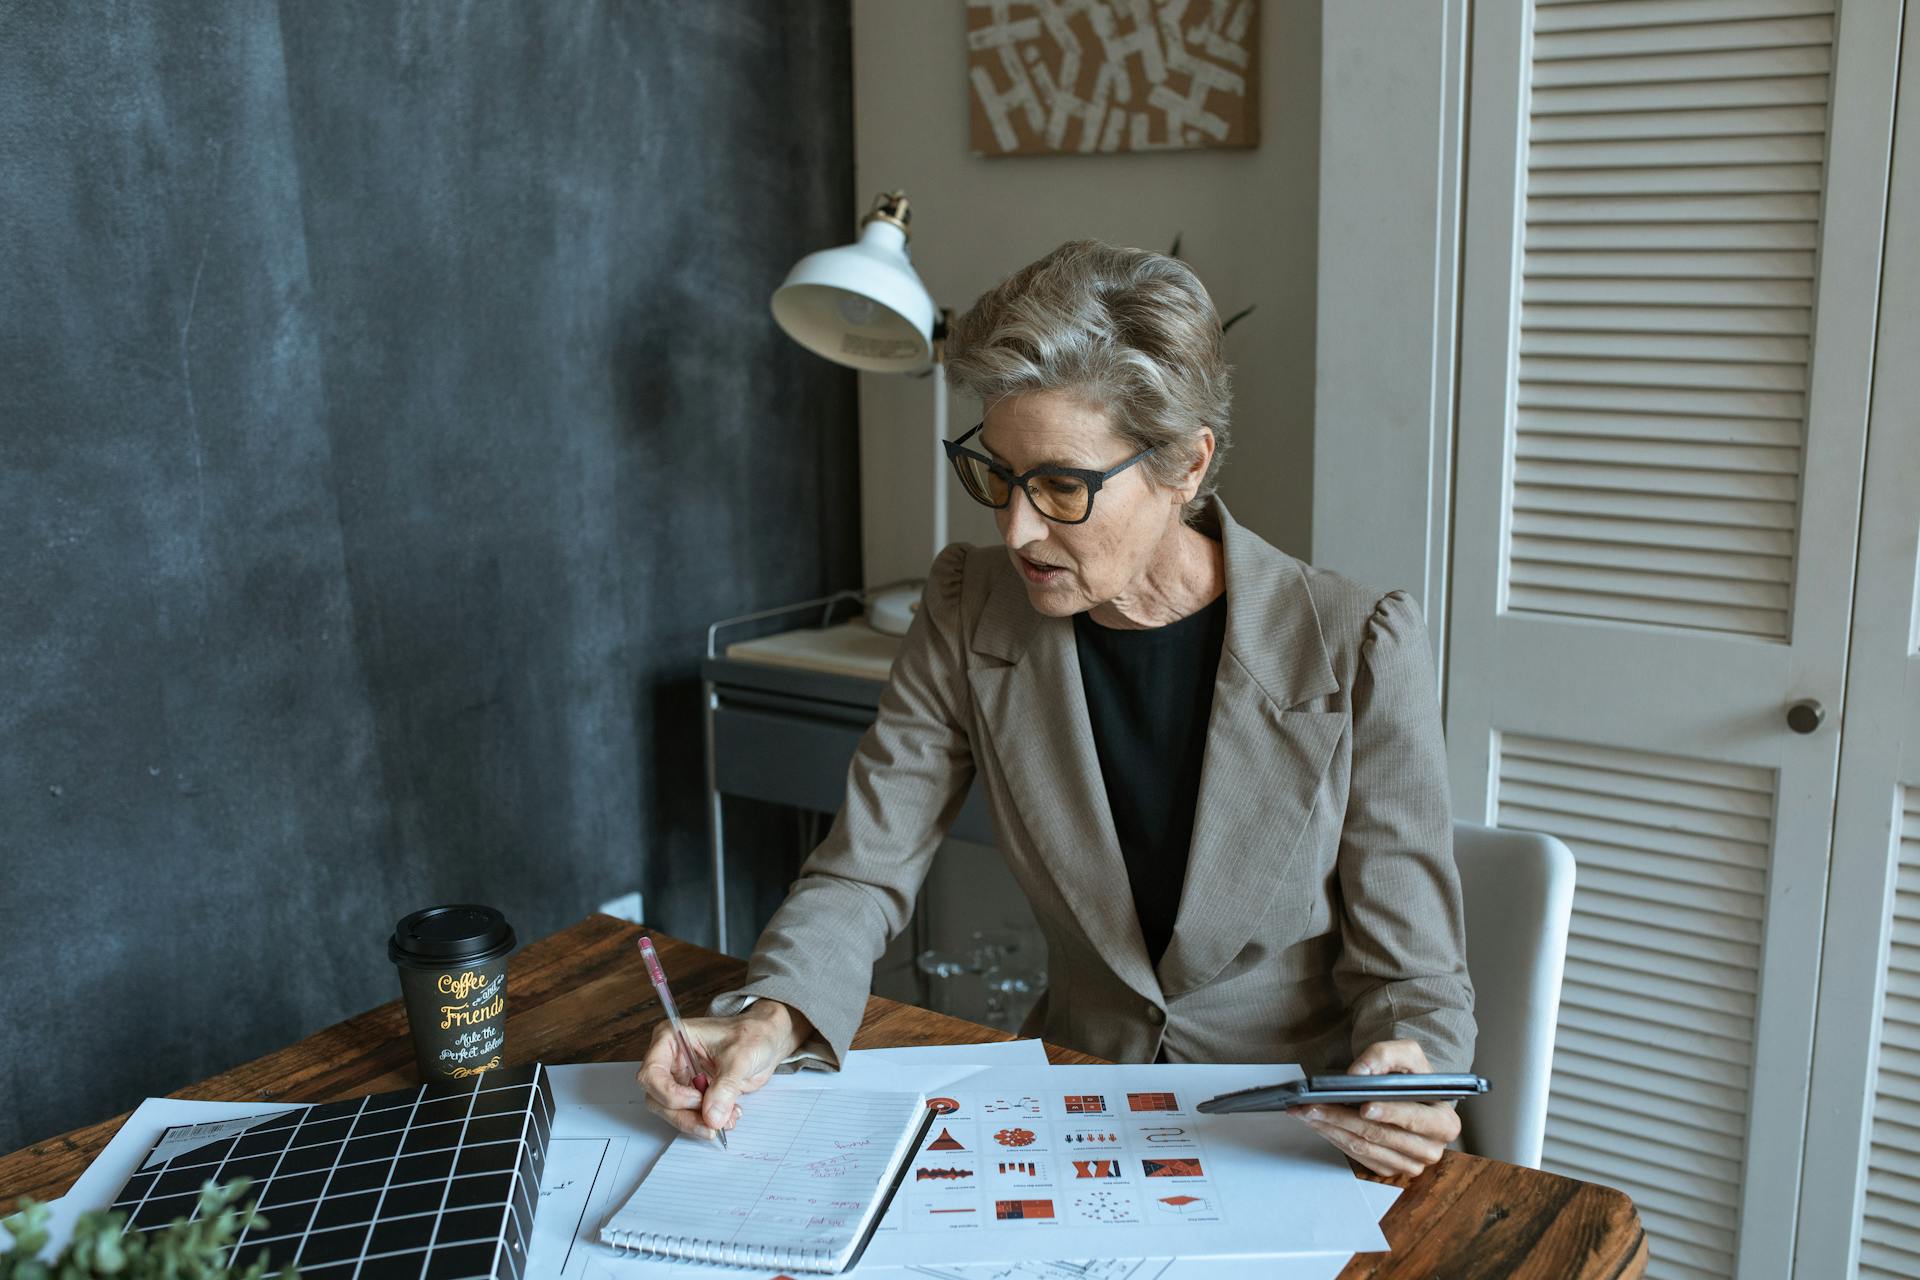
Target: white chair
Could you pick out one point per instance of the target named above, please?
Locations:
(1518, 891)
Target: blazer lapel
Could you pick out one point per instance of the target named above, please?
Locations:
(1035, 715)
(1264, 761)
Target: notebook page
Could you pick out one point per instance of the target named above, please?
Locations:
(804, 1170)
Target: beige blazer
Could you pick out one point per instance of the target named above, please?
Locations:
(1321, 910)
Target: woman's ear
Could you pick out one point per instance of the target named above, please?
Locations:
(1203, 456)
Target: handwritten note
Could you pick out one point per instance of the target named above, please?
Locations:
(805, 1171)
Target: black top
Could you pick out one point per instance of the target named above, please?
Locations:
(447, 937)
(1149, 695)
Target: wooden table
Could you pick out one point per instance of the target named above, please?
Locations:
(582, 996)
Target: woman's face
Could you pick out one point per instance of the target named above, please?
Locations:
(1070, 568)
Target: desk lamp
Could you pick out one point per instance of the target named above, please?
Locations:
(862, 305)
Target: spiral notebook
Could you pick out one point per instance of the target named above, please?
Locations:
(801, 1187)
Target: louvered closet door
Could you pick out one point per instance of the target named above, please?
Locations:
(1860, 1201)
(1673, 230)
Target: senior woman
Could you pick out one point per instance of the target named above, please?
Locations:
(1216, 772)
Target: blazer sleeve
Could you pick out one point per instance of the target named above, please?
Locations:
(1402, 970)
(907, 781)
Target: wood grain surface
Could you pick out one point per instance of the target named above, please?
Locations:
(582, 995)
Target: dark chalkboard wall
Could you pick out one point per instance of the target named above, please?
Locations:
(388, 399)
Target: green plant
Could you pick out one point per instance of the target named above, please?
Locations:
(184, 1249)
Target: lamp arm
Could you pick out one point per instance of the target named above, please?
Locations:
(939, 459)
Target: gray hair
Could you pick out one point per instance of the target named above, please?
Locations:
(1129, 331)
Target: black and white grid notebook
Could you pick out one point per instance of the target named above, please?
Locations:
(803, 1183)
(434, 1183)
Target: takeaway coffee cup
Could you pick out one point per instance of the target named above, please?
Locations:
(453, 974)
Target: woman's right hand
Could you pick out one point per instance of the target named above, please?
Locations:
(744, 1049)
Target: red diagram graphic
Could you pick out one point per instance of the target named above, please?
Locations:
(1173, 1167)
(1008, 1210)
(1085, 1104)
(1105, 1206)
(943, 1106)
(1183, 1204)
(945, 1142)
(941, 1175)
(1012, 1138)
(1096, 1168)
(1083, 1136)
(1026, 1103)
(1027, 1167)
(1166, 1133)
(1152, 1102)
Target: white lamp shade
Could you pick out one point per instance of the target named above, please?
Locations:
(861, 304)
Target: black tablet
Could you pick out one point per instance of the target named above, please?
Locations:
(1347, 1090)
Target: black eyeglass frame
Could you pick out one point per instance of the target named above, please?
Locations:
(1094, 480)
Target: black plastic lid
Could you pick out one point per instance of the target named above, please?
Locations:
(465, 933)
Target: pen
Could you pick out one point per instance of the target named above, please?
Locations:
(701, 1081)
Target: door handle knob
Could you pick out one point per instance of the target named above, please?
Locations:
(1805, 715)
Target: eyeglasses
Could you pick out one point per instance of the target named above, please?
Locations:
(1063, 494)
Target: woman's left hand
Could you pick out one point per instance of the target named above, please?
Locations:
(1388, 1137)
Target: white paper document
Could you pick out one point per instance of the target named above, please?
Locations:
(803, 1175)
(605, 1140)
(561, 1250)
(1084, 1162)
(185, 1138)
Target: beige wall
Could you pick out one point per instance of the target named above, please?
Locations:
(1249, 225)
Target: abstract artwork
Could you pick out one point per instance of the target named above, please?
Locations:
(1048, 77)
